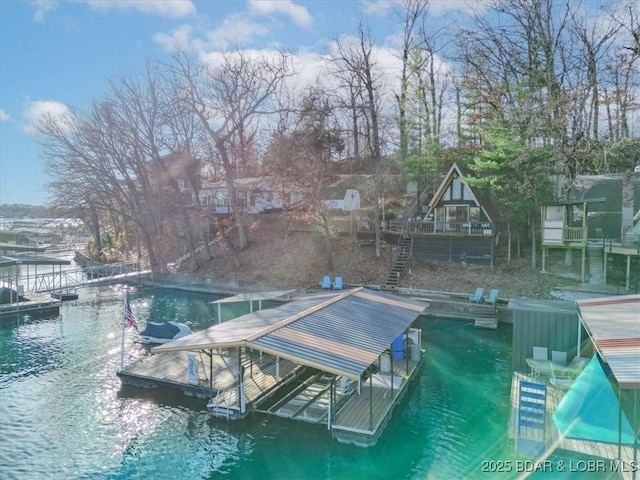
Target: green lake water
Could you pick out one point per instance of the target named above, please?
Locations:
(64, 414)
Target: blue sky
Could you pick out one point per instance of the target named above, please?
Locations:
(56, 55)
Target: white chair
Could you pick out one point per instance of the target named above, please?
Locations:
(559, 358)
(539, 361)
(540, 353)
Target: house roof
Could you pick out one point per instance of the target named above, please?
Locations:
(606, 190)
(613, 325)
(338, 332)
(480, 198)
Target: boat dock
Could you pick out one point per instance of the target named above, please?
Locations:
(483, 316)
(171, 370)
(31, 304)
(340, 358)
(552, 440)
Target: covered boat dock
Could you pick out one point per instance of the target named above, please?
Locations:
(343, 359)
(598, 412)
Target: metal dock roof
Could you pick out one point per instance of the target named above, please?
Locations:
(613, 323)
(246, 297)
(338, 332)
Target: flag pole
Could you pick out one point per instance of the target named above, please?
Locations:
(123, 321)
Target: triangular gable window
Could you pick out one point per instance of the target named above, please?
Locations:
(458, 190)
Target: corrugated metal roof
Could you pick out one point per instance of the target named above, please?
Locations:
(539, 305)
(339, 332)
(613, 323)
(246, 297)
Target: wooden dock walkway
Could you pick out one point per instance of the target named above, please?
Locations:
(363, 417)
(555, 441)
(171, 370)
(34, 304)
(483, 316)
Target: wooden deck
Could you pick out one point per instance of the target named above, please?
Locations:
(363, 417)
(555, 441)
(484, 316)
(171, 370)
(34, 304)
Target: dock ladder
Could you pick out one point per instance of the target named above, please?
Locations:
(532, 409)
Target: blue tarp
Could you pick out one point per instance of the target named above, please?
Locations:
(589, 409)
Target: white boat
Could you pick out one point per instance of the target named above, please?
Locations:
(163, 332)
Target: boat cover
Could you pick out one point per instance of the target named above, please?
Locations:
(589, 409)
(160, 330)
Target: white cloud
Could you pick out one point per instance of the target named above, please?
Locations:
(42, 7)
(179, 38)
(235, 30)
(299, 14)
(163, 8)
(465, 6)
(376, 8)
(4, 116)
(35, 111)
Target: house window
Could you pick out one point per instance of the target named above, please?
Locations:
(456, 213)
(474, 214)
(456, 189)
(242, 199)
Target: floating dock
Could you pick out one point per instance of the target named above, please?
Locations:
(31, 304)
(341, 358)
(551, 439)
(483, 316)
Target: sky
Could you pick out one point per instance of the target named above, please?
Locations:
(57, 55)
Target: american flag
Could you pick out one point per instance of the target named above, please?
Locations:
(128, 315)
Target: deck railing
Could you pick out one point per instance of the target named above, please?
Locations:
(440, 228)
(574, 234)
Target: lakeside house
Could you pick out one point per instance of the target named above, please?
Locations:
(458, 224)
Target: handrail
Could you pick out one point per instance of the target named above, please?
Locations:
(436, 227)
(66, 279)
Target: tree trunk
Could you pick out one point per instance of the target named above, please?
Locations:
(533, 243)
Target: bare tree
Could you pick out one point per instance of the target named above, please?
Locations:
(228, 99)
(356, 60)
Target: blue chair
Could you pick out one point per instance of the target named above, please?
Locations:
(492, 298)
(478, 295)
(326, 282)
(337, 285)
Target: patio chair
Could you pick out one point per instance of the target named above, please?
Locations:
(492, 298)
(561, 381)
(337, 284)
(539, 363)
(559, 358)
(478, 295)
(326, 282)
(540, 353)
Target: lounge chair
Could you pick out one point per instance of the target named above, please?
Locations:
(326, 282)
(337, 284)
(478, 295)
(492, 298)
(540, 353)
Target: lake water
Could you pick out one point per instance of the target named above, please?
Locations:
(64, 414)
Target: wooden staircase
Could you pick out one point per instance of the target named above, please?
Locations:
(400, 263)
(486, 316)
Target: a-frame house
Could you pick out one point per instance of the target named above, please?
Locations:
(459, 224)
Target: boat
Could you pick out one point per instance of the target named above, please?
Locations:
(163, 332)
